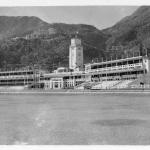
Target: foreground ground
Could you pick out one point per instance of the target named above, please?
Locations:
(75, 119)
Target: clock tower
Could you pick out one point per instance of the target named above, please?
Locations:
(76, 54)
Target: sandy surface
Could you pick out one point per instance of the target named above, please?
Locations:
(75, 119)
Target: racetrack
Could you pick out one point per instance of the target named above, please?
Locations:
(75, 119)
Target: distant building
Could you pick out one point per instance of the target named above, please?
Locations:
(16, 38)
(76, 54)
(61, 70)
(41, 33)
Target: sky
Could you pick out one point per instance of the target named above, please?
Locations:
(98, 16)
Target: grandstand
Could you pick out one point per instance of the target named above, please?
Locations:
(105, 85)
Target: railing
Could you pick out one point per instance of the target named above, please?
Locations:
(17, 76)
(122, 67)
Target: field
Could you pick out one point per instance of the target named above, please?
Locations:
(75, 119)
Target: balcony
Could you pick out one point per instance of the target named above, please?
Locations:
(122, 67)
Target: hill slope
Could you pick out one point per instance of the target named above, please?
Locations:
(50, 51)
(19, 26)
(131, 32)
(131, 29)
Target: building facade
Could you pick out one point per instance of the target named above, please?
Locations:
(123, 73)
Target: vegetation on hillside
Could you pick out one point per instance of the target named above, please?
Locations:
(131, 31)
(131, 35)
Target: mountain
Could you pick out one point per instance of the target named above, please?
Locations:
(132, 33)
(131, 30)
(19, 26)
(50, 52)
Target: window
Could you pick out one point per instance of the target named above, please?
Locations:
(104, 65)
(108, 65)
(136, 61)
(130, 62)
(100, 66)
(79, 54)
(119, 63)
(124, 63)
(114, 64)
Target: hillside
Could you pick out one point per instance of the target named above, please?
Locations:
(19, 26)
(132, 33)
(50, 52)
(131, 30)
